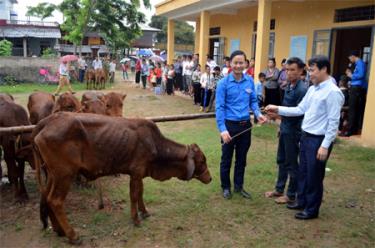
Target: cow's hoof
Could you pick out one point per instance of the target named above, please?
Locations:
(60, 233)
(136, 223)
(22, 200)
(100, 206)
(145, 215)
(76, 241)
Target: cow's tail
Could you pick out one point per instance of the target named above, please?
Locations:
(43, 190)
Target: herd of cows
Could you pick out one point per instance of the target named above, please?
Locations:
(96, 79)
(67, 139)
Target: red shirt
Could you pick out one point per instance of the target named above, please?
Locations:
(250, 71)
(158, 72)
(138, 66)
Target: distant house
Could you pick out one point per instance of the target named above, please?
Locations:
(94, 44)
(29, 38)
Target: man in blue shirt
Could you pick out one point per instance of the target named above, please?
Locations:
(290, 133)
(235, 96)
(321, 108)
(357, 93)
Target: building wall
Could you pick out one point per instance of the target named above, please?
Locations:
(292, 19)
(5, 6)
(12, 66)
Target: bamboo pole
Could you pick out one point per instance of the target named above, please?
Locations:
(25, 129)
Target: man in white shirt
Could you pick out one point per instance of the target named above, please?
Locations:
(82, 68)
(188, 66)
(112, 70)
(321, 108)
(64, 78)
(97, 64)
(211, 63)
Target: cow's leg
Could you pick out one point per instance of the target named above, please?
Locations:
(55, 200)
(21, 174)
(141, 204)
(46, 211)
(9, 155)
(134, 195)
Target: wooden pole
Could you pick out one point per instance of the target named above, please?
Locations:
(25, 129)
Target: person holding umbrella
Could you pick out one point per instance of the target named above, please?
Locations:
(64, 74)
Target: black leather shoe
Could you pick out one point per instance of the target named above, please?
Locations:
(305, 216)
(294, 206)
(227, 194)
(243, 193)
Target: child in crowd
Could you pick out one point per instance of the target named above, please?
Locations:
(125, 68)
(216, 78)
(343, 85)
(206, 87)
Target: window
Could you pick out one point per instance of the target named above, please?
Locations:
(321, 43)
(271, 47)
(362, 13)
(272, 25)
(215, 31)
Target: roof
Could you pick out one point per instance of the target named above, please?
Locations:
(36, 32)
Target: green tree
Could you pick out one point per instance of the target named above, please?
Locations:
(117, 20)
(184, 33)
(5, 48)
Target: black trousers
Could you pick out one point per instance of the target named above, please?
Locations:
(356, 103)
(272, 96)
(197, 93)
(170, 82)
(311, 173)
(241, 145)
(205, 97)
(137, 77)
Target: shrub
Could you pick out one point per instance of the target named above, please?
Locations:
(5, 48)
(48, 53)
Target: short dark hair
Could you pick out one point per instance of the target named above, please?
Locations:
(247, 61)
(354, 53)
(273, 60)
(320, 61)
(283, 61)
(189, 56)
(207, 66)
(226, 58)
(261, 74)
(217, 68)
(237, 53)
(297, 61)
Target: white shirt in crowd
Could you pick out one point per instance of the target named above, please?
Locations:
(225, 71)
(63, 70)
(188, 68)
(207, 81)
(212, 64)
(97, 64)
(82, 64)
(112, 67)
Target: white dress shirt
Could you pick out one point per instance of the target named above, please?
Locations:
(321, 107)
(97, 64)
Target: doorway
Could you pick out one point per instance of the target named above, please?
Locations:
(216, 49)
(346, 40)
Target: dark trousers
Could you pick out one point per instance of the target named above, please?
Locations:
(178, 81)
(137, 77)
(197, 93)
(205, 97)
(311, 174)
(144, 81)
(287, 160)
(241, 144)
(170, 86)
(356, 99)
(81, 75)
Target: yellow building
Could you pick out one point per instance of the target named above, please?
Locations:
(281, 29)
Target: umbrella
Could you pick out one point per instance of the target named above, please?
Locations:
(156, 58)
(145, 52)
(68, 58)
(124, 60)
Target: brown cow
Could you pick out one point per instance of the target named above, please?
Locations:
(90, 79)
(6, 97)
(40, 105)
(17, 149)
(101, 77)
(68, 144)
(112, 101)
(67, 102)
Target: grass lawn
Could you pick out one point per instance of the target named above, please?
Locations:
(30, 87)
(191, 214)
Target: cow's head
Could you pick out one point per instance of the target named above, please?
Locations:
(6, 97)
(114, 103)
(95, 106)
(67, 102)
(197, 166)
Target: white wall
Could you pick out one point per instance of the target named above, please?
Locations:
(5, 7)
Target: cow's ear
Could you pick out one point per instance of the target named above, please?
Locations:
(53, 97)
(195, 147)
(123, 96)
